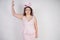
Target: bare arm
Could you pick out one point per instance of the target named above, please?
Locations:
(36, 27)
(14, 13)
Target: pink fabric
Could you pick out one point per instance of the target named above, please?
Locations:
(29, 31)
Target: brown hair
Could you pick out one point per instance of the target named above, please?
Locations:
(30, 10)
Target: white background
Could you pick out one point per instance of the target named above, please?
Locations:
(47, 13)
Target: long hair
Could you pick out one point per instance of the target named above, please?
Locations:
(31, 13)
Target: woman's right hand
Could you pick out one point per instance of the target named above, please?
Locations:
(20, 16)
(12, 3)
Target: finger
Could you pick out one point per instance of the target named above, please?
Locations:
(12, 1)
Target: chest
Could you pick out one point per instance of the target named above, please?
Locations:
(28, 19)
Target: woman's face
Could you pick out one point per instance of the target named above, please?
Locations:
(27, 11)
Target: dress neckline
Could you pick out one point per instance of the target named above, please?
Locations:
(29, 20)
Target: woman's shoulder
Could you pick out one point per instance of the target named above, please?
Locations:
(23, 17)
(34, 17)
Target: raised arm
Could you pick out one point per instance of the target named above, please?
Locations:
(20, 16)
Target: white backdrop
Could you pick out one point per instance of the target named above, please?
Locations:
(47, 13)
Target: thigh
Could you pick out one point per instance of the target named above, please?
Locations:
(29, 36)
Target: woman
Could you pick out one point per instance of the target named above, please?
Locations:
(30, 22)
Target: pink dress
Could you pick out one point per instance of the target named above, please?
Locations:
(29, 31)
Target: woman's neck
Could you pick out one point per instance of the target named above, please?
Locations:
(28, 15)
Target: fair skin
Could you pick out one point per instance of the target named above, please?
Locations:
(28, 16)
